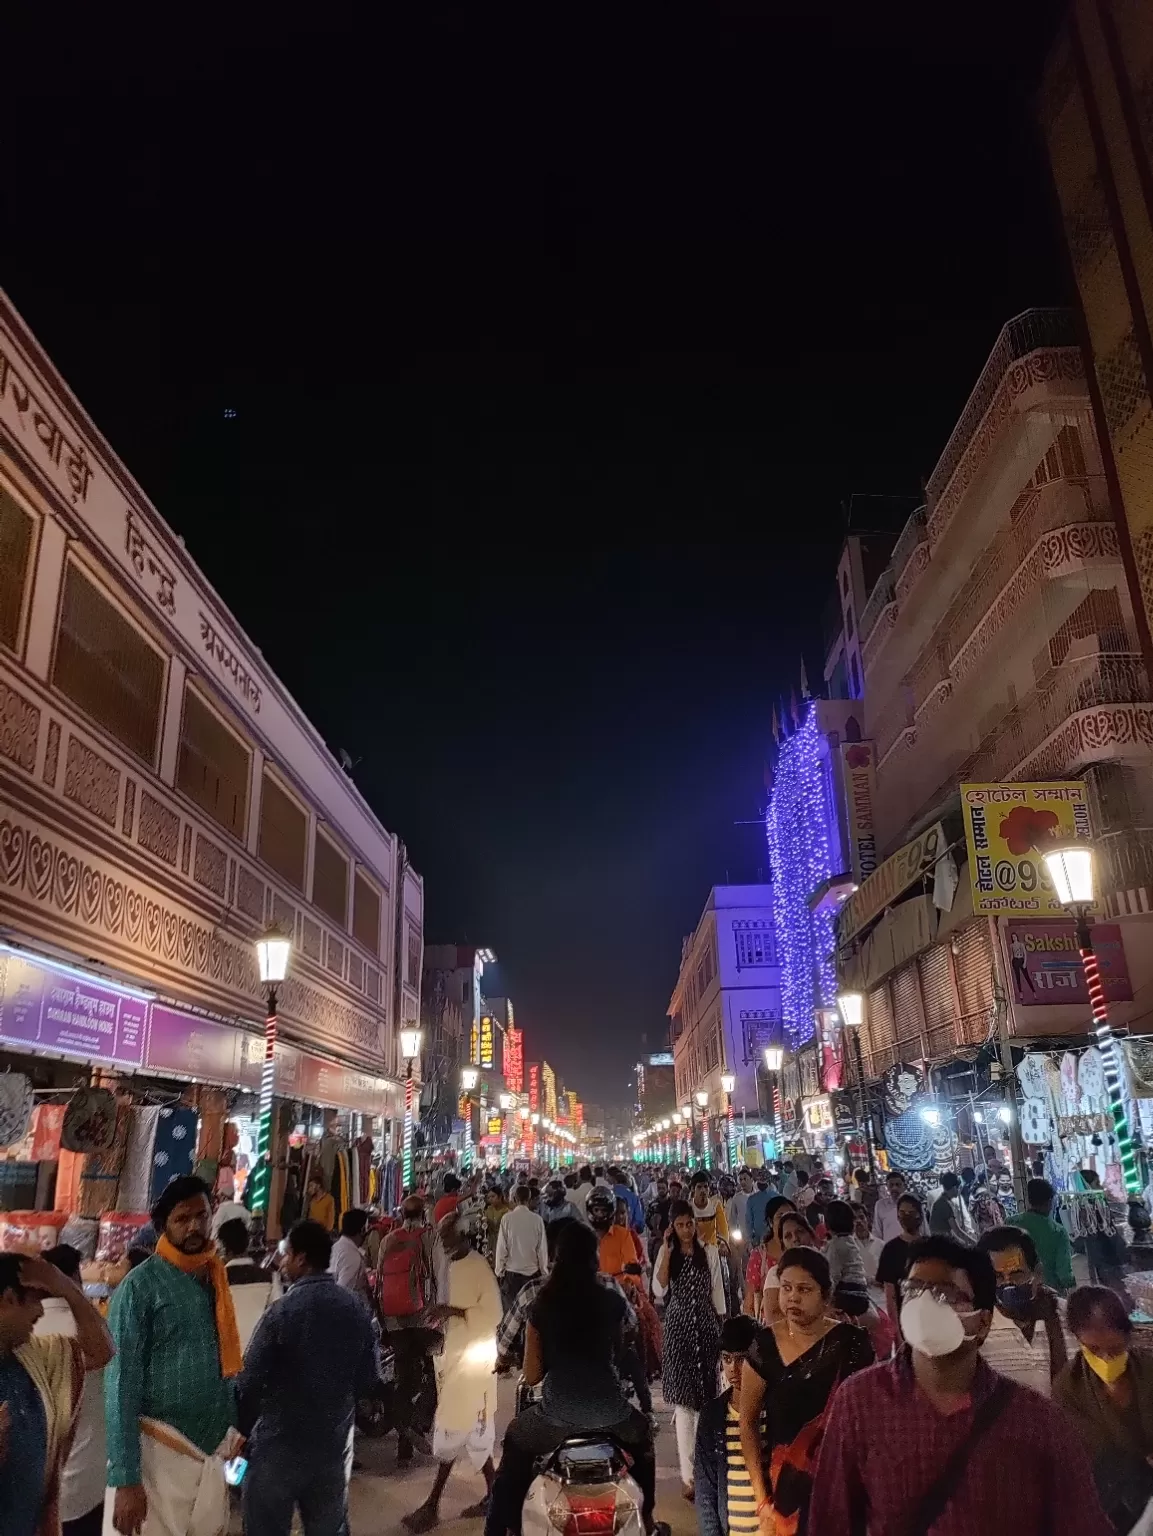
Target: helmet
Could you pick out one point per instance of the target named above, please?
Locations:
(602, 1201)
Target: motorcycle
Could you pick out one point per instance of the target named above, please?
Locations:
(584, 1488)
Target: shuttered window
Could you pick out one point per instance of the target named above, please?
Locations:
(330, 880)
(975, 980)
(879, 1018)
(213, 765)
(283, 832)
(366, 914)
(106, 667)
(16, 529)
(937, 996)
(907, 1009)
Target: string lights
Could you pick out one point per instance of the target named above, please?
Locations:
(797, 824)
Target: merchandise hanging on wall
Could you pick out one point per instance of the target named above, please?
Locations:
(15, 1107)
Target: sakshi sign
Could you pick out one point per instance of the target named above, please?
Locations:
(1005, 826)
(1045, 964)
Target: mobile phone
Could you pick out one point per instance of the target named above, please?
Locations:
(234, 1471)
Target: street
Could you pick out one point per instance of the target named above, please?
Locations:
(380, 1494)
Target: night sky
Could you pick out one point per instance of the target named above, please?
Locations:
(558, 348)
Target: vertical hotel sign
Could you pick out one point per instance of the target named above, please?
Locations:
(1005, 826)
(534, 1085)
(859, 774)
(514, 1059)
(486, 1042)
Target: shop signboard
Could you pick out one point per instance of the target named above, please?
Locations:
(845, 1118)
(486, 1042)
(1045, 964)
(514, 1058)
(890, 880)
(1005, 824)
(859, 773)
(495, 1126)
(325, 1082)
(185, 1045)
(818, 1114)
(548, 1088)
(55, 1010)
(534, 1085)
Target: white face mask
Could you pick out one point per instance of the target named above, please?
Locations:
(931, 1327)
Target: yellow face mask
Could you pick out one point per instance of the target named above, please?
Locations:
(1108, 1370)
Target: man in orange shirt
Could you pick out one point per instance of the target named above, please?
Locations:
(618, 1255)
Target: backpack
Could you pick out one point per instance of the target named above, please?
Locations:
(403, 1275)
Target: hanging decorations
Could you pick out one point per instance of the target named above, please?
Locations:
(900, 1085)
(15, 1107)
(800, 851)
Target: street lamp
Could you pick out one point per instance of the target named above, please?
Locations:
(852, 1006)
(273, 950)
(728, 1083)
(706, 1151)
(774, 1060)
(468, 1081)
(665, 1124)
(1070, 868)
(410, 1050)
(676, 1118)
(505, 1106)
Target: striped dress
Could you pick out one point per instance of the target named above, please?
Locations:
(742, 1504)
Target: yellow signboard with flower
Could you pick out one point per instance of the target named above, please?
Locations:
(1005, 826)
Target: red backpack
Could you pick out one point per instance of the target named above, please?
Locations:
(402, 1286)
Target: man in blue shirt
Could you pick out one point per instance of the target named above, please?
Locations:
(755, 1210)
(631, 1199)
(312, 1356)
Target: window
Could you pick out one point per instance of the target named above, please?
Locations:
(366, 914)
(413, 959)
(755, 943)
(212, 766)
(106, 666)
(283, 833)
(15, 558)
(706, 970)
(330, 880)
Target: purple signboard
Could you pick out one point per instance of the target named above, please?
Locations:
(1045, 963)
(56, 1010)
(189, 1046)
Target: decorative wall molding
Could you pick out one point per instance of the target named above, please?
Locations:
(210, 868)
(52, 754)
(118, 918)
(880, 632)
(19, 728)
(158, 829)
(1111, 730)
(912, 570)
(91, 782)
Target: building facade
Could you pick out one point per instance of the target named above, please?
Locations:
(1096, 109)
(1000, 648)
(163, 799)
(726, 1006)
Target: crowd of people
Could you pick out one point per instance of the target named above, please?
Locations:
(844, 1362)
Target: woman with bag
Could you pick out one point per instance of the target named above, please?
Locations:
(687, 1277)
(405, 1292)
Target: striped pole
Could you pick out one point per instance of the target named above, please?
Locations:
(1111, 1056)
(262, 1173)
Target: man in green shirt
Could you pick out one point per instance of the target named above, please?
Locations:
(176, 1351)
(1049, 1236)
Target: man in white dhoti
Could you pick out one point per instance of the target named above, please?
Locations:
(465, 1373)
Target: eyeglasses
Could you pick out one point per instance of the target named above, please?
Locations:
(947, 1295)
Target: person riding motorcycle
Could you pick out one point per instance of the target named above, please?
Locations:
(571, 1345)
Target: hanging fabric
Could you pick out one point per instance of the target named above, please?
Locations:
(15, 1107)
(134, 1193)
(174, 1150)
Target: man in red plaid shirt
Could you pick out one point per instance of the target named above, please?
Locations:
(936, 1442)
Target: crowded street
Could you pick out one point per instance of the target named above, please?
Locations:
(576, 770)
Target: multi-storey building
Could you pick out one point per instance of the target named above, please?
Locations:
(999, 647)
(1097, 119)
(656, 1087)
(460, 1029)
(163, 799)
(726, 1005)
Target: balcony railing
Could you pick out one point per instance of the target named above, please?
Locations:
(1027, 333)
(912, 534)
(1074, 686)
(879, 599)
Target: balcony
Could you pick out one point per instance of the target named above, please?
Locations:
(1035, 331)
(880, 598)
(910, 554)
(1085, 710)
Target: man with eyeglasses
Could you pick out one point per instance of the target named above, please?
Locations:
(936, 1440)
(1026, 1342)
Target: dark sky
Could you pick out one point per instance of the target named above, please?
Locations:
(557, 346)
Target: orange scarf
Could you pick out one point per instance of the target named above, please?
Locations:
(207, 1264)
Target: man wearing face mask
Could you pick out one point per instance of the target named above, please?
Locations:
(1026, 1341)
(963, 1447)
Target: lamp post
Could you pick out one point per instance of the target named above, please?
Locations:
(534, 1121)
(505, 1106)
(676, 1119)
(410, 1050)
(273, 949)
(468, 1080)
(728, 1083)
(665, 1124)
(774, 1059)
(706, 1150)
(852, 1006)
(1070, 867)
(687, 1118)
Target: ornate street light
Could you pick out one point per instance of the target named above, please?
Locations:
(273, 950)
(728, 1083)
(1070, 868)
(410, 1050)
(852, 1006)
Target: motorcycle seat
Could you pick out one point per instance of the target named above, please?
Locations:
(592, 1458)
